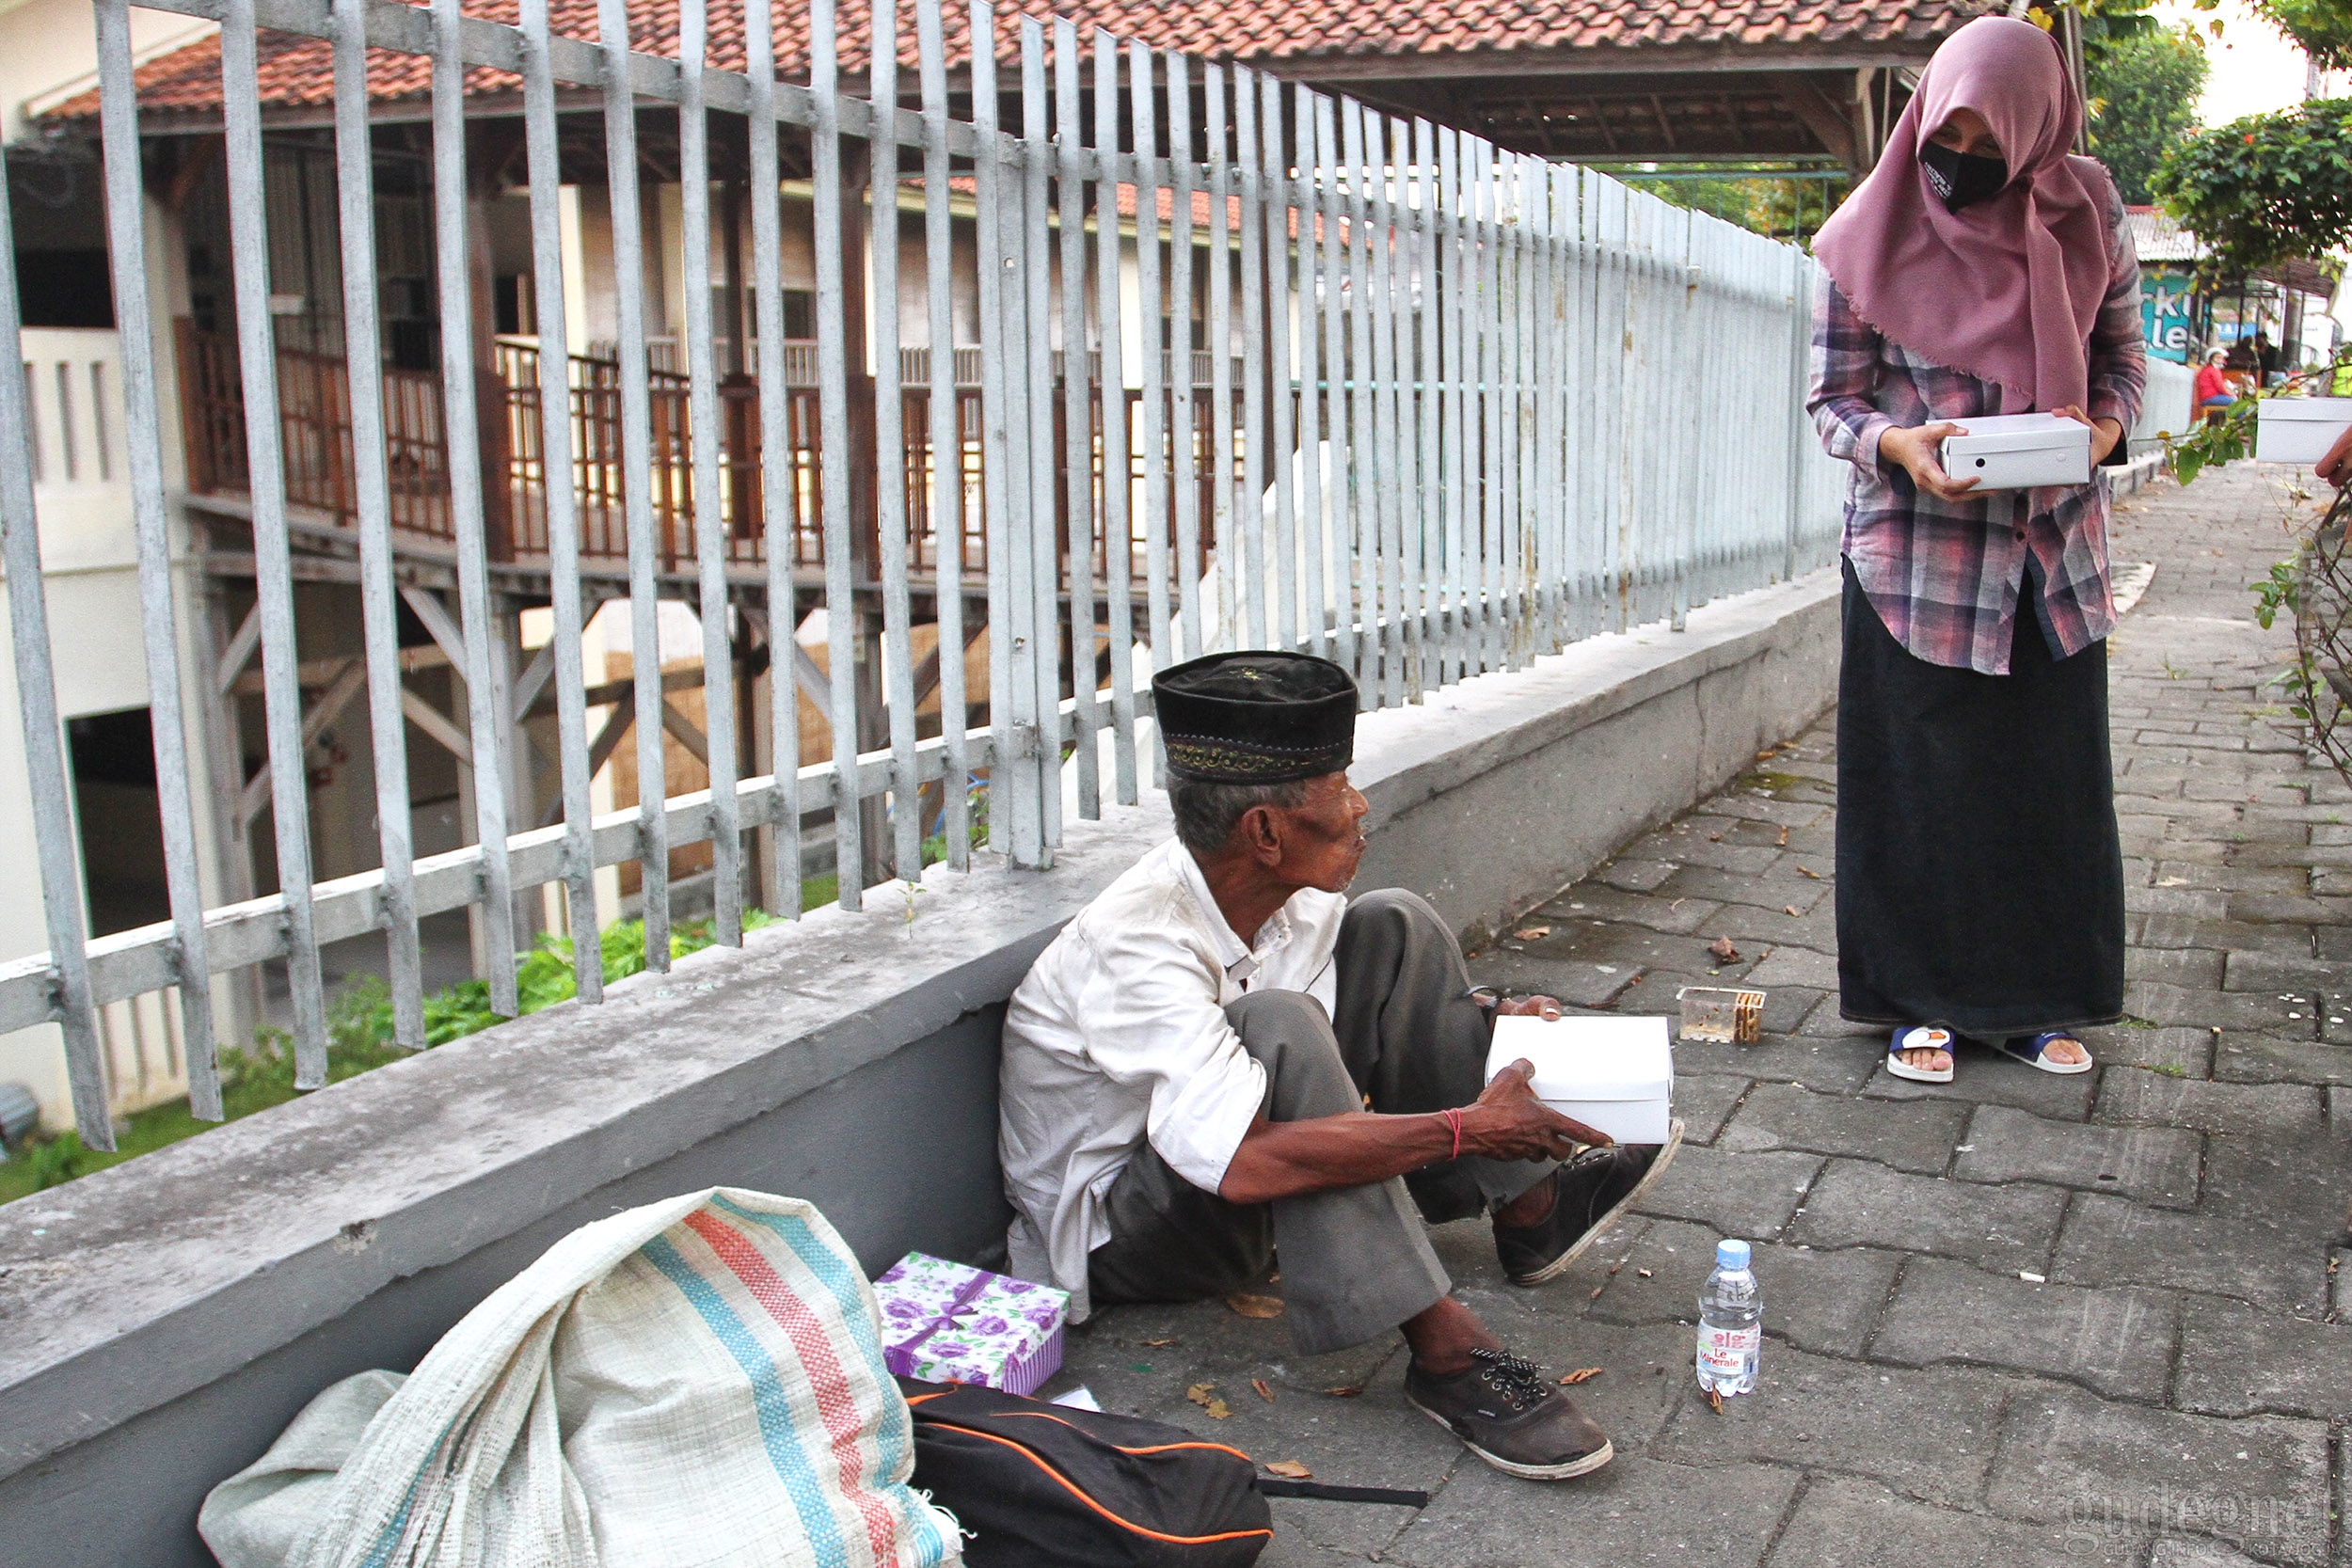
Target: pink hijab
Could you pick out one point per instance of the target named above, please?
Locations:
(2006, 290)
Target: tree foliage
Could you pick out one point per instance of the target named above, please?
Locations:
(2143, 100)
(2323, 27)
(2264, 190)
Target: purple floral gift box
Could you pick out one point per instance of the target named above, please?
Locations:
(950, 1322)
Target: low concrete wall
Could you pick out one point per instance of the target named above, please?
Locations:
(162, 1320)
(1495, 794)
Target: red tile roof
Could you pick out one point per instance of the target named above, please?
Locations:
(298, 71)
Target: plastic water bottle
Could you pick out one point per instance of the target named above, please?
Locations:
(1731, 1323)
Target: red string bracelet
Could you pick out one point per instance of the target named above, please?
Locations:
(1453, 1119)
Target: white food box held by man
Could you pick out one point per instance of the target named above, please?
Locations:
(1223, 1054)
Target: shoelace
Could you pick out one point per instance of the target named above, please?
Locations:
(1515, 1377)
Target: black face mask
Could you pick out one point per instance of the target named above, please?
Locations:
(1962, 179)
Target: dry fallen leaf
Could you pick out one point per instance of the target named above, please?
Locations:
(1784, 838)
(1532, 933)
(1808, 871)
(1263, 1392)
(1715, 1402)
(1289, 1469)
(1344, 1392)
(1597, 1291)
(1723, 949)
(1766, 756)
(1583, 1374)
(1791, 910)
(1255, 1307)
(1219, 1410)
(1200, 1393)
(1714, 838)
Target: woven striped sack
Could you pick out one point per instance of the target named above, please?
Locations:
(698, 1381)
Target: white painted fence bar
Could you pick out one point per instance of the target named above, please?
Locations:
(1154, 309)
(1119, 538)
(946, 434)
(645, 604)
(555, 455)
(1077, 409)
(486, 696)
(355, 187)
(1036, 629)
(272, 551)
(44, 735)
(143, 446)
(891, 516)
(711, 517)
(1184, 437)
(1254, 366)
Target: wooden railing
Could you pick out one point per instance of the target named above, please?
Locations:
(314, 415)
(314, 424)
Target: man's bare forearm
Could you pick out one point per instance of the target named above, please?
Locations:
(1290, 1159)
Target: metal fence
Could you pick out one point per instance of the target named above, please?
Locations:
(1463, 407)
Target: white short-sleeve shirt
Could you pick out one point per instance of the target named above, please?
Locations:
(1119, 1033)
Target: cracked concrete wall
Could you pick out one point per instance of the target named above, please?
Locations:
(162, 1320)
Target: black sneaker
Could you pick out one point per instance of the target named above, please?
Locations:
(1588, 1192)
(1510, 1414)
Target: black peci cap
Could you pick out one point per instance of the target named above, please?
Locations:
(1256, 717)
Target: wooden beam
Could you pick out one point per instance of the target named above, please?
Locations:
(325, 672)
(346, 684)
(677, 723)
(234, 656)
(1349, 71)
(612, 691)
(430, 720)
(599, 749)
(1825, 120)
(428, 610)
(533, 679)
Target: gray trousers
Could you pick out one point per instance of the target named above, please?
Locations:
(1356, 1260)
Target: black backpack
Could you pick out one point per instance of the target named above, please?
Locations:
(1045, 1486)
(1040, 1484)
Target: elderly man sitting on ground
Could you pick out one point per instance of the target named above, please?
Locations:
(1223, 1055)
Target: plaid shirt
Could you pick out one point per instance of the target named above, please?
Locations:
(1946, 576)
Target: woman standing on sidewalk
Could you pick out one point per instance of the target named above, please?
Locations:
(1980, 269)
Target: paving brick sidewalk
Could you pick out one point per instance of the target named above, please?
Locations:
(2018, 1319)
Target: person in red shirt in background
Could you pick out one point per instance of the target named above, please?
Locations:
(2213, 387)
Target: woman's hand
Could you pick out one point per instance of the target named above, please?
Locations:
(2104, 433)
(2336, 466)
(1914, 450)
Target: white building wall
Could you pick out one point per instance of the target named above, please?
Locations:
(49, 52)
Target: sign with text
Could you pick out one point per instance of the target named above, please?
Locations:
(2164, 310)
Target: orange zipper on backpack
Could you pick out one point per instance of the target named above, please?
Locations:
(1075, 1491)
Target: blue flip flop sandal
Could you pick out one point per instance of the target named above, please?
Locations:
(1920, 1036)
(2034, 1053)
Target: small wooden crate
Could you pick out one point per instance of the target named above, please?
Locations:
(1721, 1014)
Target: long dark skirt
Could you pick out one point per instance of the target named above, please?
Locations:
(1979, 875)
